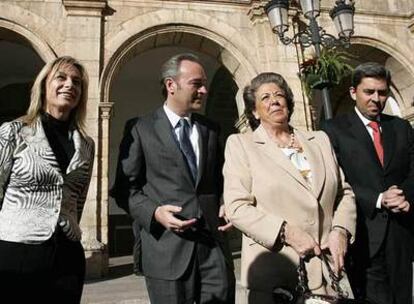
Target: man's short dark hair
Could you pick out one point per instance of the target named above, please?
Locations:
(171, 68)
(372, 70)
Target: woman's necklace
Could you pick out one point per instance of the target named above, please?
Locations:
(291, 143)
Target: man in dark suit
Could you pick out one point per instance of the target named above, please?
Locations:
(376, 153)
(170, 166)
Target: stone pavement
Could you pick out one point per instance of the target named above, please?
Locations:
(123, 287)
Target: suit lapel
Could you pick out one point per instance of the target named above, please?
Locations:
(202, 144)
(313, 154)
(388, 140)
(360, 132)
(270, 148)
(165, 132)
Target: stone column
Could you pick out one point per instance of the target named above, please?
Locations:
(95, 240)
(105, 111)
(83, 40)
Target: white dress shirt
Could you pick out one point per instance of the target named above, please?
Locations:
(194, 134)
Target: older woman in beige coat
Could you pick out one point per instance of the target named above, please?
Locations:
(284, 190)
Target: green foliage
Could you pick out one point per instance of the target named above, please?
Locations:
(326, 71)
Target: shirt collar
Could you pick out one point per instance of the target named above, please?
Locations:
(364, 120)
(173, 117)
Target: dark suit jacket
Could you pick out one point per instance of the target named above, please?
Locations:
(152, 170)
(118, 190)
(358, 159)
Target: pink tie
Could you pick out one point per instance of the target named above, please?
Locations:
(377, 141)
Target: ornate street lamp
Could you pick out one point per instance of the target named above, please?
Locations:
(342, 15)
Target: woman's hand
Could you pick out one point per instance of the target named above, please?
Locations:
(301, 241)
(69, 227)
(337, 245)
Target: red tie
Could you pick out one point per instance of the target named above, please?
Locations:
(377, 140)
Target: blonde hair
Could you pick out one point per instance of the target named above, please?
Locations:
(38, 95)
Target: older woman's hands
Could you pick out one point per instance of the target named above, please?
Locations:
(301, 241)
(337, 245)
(222, 214)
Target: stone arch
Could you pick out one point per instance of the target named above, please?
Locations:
(397, 61)
(388, 52)
(30, 26)
(402, 86)
(225, 42)
(398, 64)
(388, 42)
(385, 41)
(192, 37)
(24, 54)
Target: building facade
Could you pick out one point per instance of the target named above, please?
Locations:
(122, 43)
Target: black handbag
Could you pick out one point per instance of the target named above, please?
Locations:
(302, 294)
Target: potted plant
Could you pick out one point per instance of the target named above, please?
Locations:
(326, 71)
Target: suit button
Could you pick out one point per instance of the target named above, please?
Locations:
(311, 221)
(384, 215)
(56, 210)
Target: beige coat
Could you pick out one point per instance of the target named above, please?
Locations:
(262, 188)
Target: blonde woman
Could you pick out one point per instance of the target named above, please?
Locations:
(45, 168)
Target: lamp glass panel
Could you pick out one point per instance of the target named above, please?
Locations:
(310, 8)
(344, 23)
(278, 18)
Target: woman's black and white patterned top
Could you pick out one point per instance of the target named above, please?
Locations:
(35, 195)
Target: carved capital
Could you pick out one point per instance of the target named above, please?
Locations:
(85, 7)
(257, 12)
(411, 25)
(105, 110)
